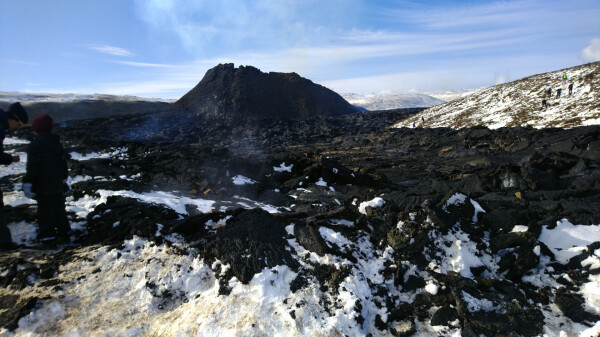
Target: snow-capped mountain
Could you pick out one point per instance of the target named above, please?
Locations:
(453, 94)
(28, 98)
(520, 103)
(384, 101)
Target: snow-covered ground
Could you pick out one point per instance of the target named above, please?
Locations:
(519, 103)
(103, 291)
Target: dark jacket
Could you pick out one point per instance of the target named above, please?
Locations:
(5, 158)
(46, 164)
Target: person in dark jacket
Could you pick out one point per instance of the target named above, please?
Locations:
(549, 91)
(558, 91)
(10, 120)
(45, 179)
(571, 89)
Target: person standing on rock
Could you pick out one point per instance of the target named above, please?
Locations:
(558, 91)
(549, 92)
(10, 120)
(45, 181)
(571, 89)
(564, 78)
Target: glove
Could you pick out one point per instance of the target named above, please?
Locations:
(27, 190)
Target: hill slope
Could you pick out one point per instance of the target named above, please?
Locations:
(247, 92)
(519, 103)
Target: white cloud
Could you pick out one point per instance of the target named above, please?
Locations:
(110, 50)
(146, 65)
(27, 63)
(591, 53)
(531, 14)
(206, 27)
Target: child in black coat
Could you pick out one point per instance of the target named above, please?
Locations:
(44, 180)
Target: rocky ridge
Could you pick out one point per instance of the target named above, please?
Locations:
(246, 92)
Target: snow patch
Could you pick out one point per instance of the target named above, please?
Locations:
(241, 180)
(374, 203)
(567, 240)
(283, 168)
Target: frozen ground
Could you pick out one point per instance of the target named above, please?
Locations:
(104, 291)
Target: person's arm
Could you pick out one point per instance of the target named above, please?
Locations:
(33, 162)
(65, 168)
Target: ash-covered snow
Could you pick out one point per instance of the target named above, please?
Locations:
(477, 304)
(23, 232)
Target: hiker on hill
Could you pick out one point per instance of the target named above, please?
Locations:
(564, 78)
(558, 91)
(571, 89)
(544, 104)
(45, 181)
(10, 120)
(549, 92)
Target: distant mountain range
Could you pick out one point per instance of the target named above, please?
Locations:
(373, 102)
(388, 101)
(520, 103)
(28, 98)
(64, 107)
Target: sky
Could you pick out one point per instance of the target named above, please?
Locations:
(163, 48)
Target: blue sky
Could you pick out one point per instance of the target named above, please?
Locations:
(162, 48)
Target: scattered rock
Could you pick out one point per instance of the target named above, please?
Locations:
(251, 241)
(403, 329)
